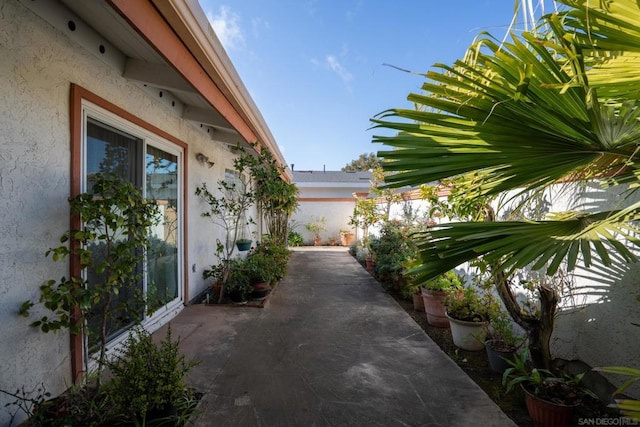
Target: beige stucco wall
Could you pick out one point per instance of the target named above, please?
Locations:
(37, 68)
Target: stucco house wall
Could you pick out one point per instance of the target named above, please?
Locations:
(39, 64)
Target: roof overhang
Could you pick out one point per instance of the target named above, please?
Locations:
(168, 46)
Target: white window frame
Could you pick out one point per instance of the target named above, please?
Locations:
(168, 311)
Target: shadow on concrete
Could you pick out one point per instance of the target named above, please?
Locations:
(331, 349)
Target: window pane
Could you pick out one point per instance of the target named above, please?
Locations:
(162, 256)
(111, 151)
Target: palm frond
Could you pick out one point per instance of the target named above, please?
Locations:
(540, 244)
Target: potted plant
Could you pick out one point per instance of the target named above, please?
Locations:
(315, 227)
(411, 291)
(551, 398)
(295, 239)
(261, 272)
(502, 343)
(227, 207)
(433, 294)
(346, 236)
(237, 285)
(468, 314)
(148, 378)
(243, 244)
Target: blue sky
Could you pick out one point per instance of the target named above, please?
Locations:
(315, 68)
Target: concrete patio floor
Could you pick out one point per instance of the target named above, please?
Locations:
(330, 349)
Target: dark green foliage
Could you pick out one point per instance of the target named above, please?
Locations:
(445, 282)
(261, 267)
(109, 248)
(393, 250)
(295, 239)
(365, 162)
(560, 388)
(261, 184)
(279, 256)
(237, 284)
(148, 376)
(470, 305)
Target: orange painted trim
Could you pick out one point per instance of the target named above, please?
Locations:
(78, 94)
(76, 340)
(151, 25)
(327, 199)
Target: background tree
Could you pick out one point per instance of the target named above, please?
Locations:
(276, 198)
(365, 162)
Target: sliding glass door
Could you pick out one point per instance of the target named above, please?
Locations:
(114, 146)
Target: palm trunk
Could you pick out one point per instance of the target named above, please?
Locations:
(538, 328)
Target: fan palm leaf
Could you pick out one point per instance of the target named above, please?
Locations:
(528, 115)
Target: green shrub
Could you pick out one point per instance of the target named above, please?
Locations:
(447, 281)
(278, 254)
(295, 239)
(468, 305)
(147, 376)
(392, 250)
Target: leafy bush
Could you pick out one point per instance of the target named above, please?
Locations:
(295, 239)
(238, 286)
(392, 250)
(278, 254)
(468, 305)
(148, 377)
(447, 281)
(261, 267)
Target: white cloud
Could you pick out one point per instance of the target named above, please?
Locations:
(226, 24)
(337, 68)
(258, 25)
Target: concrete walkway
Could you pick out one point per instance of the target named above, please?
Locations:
(330, 349)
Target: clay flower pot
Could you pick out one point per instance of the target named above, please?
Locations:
(434, 307)
(418, 302)
(544, 413)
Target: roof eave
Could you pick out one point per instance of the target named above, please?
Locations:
(191, 24)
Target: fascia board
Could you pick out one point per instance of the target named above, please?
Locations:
(191, 24)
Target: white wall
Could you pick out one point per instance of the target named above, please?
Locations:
(336, 213)
(37, 68)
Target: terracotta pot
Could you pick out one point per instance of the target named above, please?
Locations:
(418, 302)
(369, 262)
(468, 335)
(497, 357)
(346, 239)
(317, 241)
(434, 307)
(547, 414)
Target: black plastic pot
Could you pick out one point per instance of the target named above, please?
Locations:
(497, 356)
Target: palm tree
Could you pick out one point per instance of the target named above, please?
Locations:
(557, 105)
